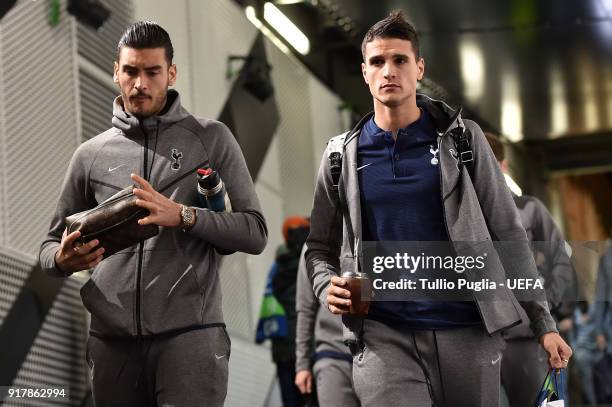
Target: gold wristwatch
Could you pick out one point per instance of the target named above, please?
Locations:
(188, 217)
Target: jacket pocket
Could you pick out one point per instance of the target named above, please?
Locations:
(109, 295)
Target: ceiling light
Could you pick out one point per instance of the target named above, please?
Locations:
(286, 28)
(252, 17)
(472, 70)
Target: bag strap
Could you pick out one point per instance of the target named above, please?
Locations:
(338, 182)
(462, 138)
(560, 384)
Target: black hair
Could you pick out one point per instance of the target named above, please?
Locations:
(146, 34)
(395, 25)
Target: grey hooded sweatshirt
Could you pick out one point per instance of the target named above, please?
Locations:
(169, 283)
(477, 211)
(317, 329)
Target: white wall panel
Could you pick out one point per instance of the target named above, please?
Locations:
(294, 132)
(268, 188)
(250, 374)
(324, 118)
(219, 29)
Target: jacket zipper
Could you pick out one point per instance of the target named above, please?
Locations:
(141, 244)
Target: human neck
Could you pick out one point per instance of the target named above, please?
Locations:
(395, 118)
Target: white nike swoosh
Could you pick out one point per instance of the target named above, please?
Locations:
(219, 357)
(363, 166)
(496, 360)
(113, 169)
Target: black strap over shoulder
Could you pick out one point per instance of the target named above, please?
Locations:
(462, 138)
(338, 182)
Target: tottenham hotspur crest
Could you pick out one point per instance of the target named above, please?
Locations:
(176, 159)
(434, 153)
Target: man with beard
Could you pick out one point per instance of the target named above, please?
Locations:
(157, 335)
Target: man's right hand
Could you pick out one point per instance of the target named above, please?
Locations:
(72, 256)
(338, 297)
(303, 381)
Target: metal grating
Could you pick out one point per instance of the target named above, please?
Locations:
(57, 357)
(100, 47)
(14, 270)
(39, 119)
(96, 105)
(3, 211)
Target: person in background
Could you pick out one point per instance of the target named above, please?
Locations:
(583, 339)
(603, 303)
(323, 362)
(524, 362)
(284, 286)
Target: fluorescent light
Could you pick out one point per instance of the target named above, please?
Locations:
(513, 185)
(286, 28)
(511, 114)
(590, 103)
(252, 17)
(472, 70)
(560, 113)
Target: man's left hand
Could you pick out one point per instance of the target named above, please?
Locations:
(559, 352)
(163, 211)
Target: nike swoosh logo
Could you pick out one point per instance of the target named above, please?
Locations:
(493, 362)
(363, 166)
(219, 357)
(113, 169)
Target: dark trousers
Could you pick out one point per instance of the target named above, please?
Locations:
(290, 394)
(189, 369)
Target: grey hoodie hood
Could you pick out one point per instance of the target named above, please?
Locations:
(171, 113)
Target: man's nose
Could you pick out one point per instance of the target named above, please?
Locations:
(388, 71)
(140, 83)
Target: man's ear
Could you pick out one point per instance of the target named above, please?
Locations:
(421, 68)
(363, 72)
(172, 75)
(116, 72)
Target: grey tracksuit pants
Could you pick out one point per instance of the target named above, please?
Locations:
(416, 368)
(523, 368)
(334, 383)
(188, 369)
